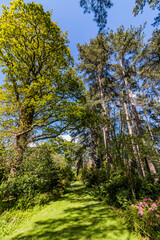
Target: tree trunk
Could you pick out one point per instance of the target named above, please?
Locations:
(106, 136)
(21, 142)
(137, 120)
(139, 163)
(151, 166)
(93, 149)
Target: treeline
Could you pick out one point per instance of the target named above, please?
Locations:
(119, 157)
(120, 129)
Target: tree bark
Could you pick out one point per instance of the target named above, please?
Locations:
(137, 120)
(139, 163)
(93, 149)
(21, 138)
(106, 135)
(21, 143)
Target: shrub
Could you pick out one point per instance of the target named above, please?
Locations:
(38, 180)
(147, 188)
(144, 218)
(116, 191)
(93, 176)
(120, 189)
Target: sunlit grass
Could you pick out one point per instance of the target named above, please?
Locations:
(76, 216)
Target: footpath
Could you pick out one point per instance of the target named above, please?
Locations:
(76, 216)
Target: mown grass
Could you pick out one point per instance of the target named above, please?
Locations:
(76, 216)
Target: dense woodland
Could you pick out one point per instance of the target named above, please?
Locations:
(109, 103)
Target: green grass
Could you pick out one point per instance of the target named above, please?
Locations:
(76, 216)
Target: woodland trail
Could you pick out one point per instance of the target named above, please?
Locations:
(76, 216)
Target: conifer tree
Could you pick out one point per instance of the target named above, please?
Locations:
(99, 8)
(127, 45)
(140, 4)
(95, 67)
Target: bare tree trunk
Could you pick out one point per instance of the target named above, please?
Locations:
(121, 119)
(137, 120)
(106, 136)
(131, 99)
(139, 163)
(93, 149)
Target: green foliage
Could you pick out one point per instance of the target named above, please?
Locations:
(39, 179)
(65, 149)
(140, 4)
(144, 218)
(4, 169)
(119, 190)
(147, 188)
(41, 88)
(99, 8)
(94, 177)
(116, 191)
(40, 199)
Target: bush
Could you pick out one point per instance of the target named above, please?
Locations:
(113, 190)
(26, 202)
(4, 168)
(38, 180)
(93, 176)
(144, 218)
(120, 189)
(116, 191)
(147, 188)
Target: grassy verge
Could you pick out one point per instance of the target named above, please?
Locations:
(76, 216)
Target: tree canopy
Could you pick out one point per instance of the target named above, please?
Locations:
(140, 4)
(41, 86)
(100, 9)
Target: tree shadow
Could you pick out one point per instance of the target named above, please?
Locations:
(90, 221)
(78, 192)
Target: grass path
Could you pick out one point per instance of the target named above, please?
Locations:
(76, 216)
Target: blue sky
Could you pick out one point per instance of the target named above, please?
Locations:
(69, 16)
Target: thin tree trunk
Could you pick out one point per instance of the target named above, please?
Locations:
(137, 148)
(131, 99)
(137, 120)
(121, 119)
(93, 149)
(106, 136)
(140, 167)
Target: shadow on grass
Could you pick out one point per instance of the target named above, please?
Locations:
(90, 221)
(78, 192)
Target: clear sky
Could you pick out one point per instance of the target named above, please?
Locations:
(69, 16)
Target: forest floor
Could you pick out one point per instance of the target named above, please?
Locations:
(76, 216)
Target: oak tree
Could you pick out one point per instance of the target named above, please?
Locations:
(40, 88)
